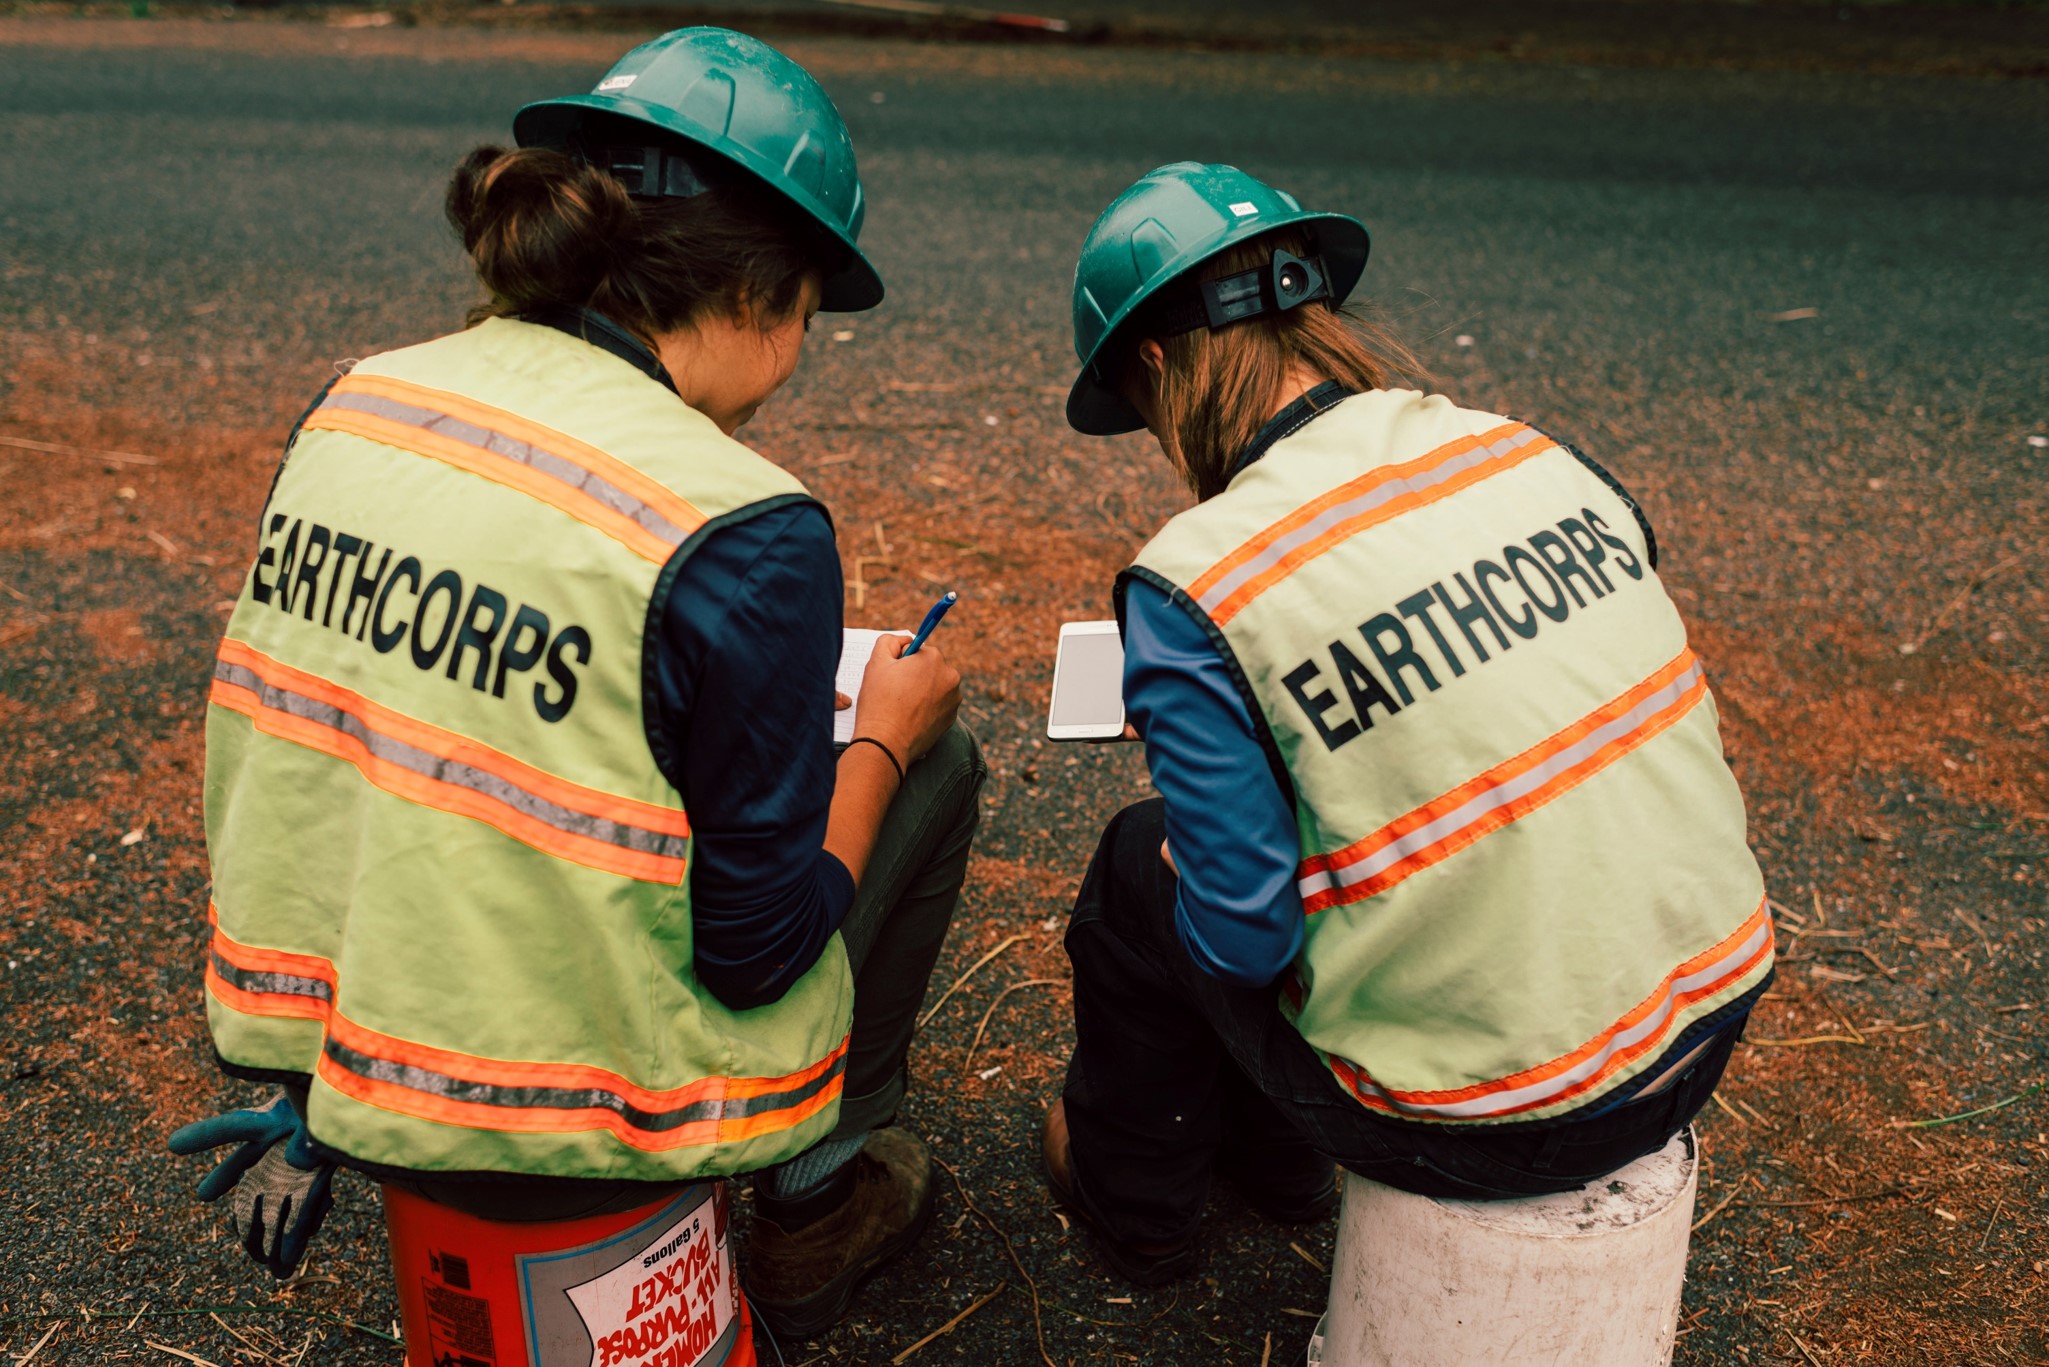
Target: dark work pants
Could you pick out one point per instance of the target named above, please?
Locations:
(898, 922)
(1175, 1072)
(893, 933)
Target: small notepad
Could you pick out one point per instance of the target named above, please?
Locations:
(856, 645)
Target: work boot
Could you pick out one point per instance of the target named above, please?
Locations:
(799, 1281)
(1139, 1264)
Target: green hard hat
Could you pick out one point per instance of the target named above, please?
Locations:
(739, 98)
(1171, 221)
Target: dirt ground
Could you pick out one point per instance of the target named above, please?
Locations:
(1876, 1179)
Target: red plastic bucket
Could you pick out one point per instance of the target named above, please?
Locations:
(653, 1287)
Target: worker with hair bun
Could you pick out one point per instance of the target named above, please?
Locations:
(538, 883)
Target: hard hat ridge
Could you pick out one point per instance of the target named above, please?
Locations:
(738, 106)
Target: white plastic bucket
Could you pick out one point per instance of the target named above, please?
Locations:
(1586, 1278)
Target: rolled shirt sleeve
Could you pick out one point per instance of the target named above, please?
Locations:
(1230, 827)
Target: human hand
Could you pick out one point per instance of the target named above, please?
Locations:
(907, 701)
(1130, 732)
(1167, 858)
(282, 1188)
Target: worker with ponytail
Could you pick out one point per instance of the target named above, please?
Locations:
(1447, 878)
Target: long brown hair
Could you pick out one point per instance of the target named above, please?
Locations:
(1220, 387)
(548, 232)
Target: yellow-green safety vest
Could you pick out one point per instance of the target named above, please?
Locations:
(1524, 865)
(450, 882)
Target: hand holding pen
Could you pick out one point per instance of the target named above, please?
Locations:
(909, 696)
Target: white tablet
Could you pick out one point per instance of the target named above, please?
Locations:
(1088, 683)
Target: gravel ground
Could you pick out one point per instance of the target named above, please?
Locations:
(1802, 315)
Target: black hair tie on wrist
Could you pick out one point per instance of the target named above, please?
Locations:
(894, 762)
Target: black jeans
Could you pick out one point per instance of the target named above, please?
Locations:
(893, 933)
(1175, 1072)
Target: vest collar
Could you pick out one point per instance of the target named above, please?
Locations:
(607, 336)
(1289, 421)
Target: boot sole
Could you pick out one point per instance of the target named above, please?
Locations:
(812, 1315)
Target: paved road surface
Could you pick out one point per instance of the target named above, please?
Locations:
(1805, 317)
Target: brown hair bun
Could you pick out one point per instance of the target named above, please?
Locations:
(540, 228)
(549, 232)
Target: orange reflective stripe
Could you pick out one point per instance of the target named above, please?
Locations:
(572, 475)
(532, 1098)
(453, 773)
(454, 1088)
(1643, 1032)
(1510, 790)
(1375, 497)
(267, 982)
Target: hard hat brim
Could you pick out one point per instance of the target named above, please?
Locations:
(1094, 409)
(855, 287)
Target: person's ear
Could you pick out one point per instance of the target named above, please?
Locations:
(1153, 357)
(746, 312)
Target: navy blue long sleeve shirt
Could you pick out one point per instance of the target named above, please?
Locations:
(740, 694)
(739, 705)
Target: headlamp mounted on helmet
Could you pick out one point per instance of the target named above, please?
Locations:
(1286, 282)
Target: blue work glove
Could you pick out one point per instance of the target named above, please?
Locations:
(282, 1190)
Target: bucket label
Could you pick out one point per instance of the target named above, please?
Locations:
(458, 1325)
(661, 1294)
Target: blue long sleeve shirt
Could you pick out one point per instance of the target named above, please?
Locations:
(1231, 828)
(740, 699)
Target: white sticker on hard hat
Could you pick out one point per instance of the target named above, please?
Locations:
(616, 83)
(1244, 209)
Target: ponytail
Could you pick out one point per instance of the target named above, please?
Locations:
(1220, 387)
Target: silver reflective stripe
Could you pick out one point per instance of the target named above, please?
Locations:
(394, 751)
(1502, 794)
(272, 984)
(1536, 1093)
(524, 453)
(1378, 496)
(581, 1098)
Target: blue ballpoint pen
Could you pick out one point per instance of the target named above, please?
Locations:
(931, 620)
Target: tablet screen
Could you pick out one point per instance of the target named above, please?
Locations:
(1089, 688)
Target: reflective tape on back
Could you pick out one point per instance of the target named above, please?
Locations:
(1640, 1034)
(717, 1107)
(458, 775)
(517, 1095)
(1505, 793)
(1365, 502)
(525, 453)
(570, 475)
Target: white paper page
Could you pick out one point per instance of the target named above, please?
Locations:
(856, 645)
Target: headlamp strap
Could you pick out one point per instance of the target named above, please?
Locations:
(650, 172)
(1285, 282)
